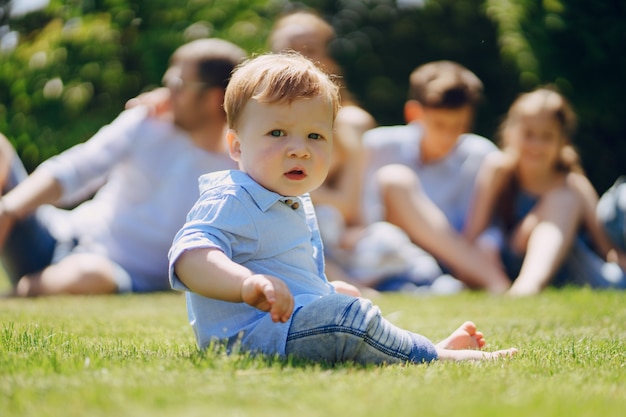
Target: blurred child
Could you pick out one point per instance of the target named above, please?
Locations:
(420, 176)
(536, 192)
(250, 256)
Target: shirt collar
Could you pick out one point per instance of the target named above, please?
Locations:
(262, 197)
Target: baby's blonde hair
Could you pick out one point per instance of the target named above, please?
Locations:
(277, 78)
(546, 99)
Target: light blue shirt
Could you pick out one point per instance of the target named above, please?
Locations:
(267, 234)
(448, 182)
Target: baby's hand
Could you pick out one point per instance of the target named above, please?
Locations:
(268, 293)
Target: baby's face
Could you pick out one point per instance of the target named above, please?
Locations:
(285, 147)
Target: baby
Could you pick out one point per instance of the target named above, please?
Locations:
(250, 257)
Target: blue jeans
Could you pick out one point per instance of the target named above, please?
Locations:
(31, 244)
(339, 328)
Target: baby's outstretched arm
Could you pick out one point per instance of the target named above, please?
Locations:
(462, 345)
(209, 272)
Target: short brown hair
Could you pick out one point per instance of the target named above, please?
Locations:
(445, 84)
(308, 21)
(214, 58)
(277, 78)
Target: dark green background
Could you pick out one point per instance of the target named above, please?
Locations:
(79, 61)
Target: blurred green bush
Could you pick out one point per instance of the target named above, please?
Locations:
(580, 46)
(77, 62)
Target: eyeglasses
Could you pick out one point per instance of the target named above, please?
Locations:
(177, 84)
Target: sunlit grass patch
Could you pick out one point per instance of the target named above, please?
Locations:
(135, 355)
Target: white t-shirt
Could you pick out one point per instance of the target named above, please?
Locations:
(149, 170)
(448, 182)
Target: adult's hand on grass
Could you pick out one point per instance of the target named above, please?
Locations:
(268, 293)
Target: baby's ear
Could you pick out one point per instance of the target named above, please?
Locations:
(234, 147)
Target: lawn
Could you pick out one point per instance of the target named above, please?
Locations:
(135, 356)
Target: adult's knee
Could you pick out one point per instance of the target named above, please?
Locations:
(559, 201)
(396, 177)
(75, 274)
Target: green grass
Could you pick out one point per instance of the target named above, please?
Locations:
(136, 356)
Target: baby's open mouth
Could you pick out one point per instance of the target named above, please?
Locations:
(295, 174)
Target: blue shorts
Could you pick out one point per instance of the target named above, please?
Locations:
(31, 245)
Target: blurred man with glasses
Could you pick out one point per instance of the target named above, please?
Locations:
(131, 184)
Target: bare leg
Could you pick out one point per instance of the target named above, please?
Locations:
(545, 235)
(75, 274)
(410, 209)
(6, 159)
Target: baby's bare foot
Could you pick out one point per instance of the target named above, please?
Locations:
(465, 337)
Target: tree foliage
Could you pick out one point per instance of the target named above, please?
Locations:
(578, 46)
(78, 62)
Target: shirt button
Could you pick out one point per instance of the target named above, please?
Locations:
(293, 204)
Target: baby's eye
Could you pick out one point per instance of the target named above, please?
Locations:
(315, 136)
(277, 133)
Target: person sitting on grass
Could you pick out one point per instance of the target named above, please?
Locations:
(250, 257)
(535, 190)
(143, 172)
(420, 177)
